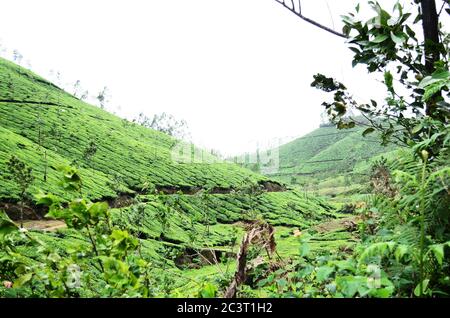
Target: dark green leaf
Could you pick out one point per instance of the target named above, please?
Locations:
(398, 39)
(380, 38)
(22, 280)
(6, 224)
(368, 131)
(323, 272)
(388, 80)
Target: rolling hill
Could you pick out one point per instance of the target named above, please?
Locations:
(330, 161)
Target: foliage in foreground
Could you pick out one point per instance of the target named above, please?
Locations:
(108, 264)
(404, 249)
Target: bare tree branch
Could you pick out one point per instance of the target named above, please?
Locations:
(444, 2)
(301, 16)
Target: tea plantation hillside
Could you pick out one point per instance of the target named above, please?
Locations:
(329, 160)
(47, 127)
(328, 150)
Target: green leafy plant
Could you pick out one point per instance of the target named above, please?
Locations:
(23, 177)
(109, 251)
(386, 42)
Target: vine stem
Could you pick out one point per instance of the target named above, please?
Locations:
(422, 224)
(94, 246)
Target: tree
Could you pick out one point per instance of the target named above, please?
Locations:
(162, 214)
(41, 140)
(206, 201)
(387, 44)
(17, 56)
(22, 175)
(296, 8)
(103, 97)
(418, 65)
(77, 88)
(84, 95)
(165, 123)
(89, 151)
(252, 191)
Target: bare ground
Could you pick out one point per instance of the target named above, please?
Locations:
(43, 225)
(337, 224)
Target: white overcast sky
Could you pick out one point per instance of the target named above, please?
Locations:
(238, 71)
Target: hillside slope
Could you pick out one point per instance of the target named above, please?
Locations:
(328, 151)
(329, 160)
(37, 119)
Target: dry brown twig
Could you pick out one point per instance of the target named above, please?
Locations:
(258, 233)
(297, 10)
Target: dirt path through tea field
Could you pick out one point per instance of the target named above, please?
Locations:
(344, 223)
(43, 225)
